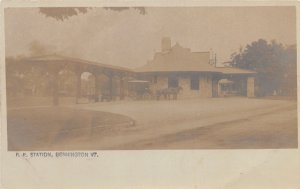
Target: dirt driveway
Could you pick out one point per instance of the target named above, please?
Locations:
(232, 123)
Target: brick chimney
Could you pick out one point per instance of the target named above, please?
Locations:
(165, 44)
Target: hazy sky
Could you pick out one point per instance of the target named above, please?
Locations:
(129, 39)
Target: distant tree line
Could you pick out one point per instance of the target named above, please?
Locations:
(275, 64)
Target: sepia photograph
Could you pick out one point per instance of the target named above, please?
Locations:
(151, 78)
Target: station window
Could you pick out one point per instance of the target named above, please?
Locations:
(155, 79)
(194, 83)
(172, 82)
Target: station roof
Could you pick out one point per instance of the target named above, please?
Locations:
(179, 59)
(65, 59)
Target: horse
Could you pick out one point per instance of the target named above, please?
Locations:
(167, 92)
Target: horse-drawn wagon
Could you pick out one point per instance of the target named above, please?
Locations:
(139, 90)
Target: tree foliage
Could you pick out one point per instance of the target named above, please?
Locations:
(274, 63)
(63, 13)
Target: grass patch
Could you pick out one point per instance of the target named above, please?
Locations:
(31, 128)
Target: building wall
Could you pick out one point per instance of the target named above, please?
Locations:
(250, 87)
(161, 83)
(244, 86)
(205, 86)
(185, 83)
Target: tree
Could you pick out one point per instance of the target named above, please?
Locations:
(274, 63)
(63, 13)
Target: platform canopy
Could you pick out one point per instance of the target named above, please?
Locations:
(56, 59)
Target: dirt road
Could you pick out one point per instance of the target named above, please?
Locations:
(232, 123)
(204, 123)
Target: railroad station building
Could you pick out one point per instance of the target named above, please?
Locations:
(196, 73)
(174, 66)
